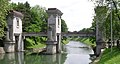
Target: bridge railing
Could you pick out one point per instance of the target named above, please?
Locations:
(34, 34)
(80, 34)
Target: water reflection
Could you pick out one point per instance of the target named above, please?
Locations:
(45, 59)
(20, 58)
(74, 55)
(12, 58)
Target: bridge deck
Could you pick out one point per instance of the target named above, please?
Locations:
(80, 34)
(34, 34)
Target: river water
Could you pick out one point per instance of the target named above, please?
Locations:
(73, 53)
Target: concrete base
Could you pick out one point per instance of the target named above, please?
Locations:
(9, 47)
(2, 50)
(51, 49)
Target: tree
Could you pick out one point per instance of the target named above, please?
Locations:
(38, 23)
(103, 18)
(24, 8)
(3, 13)
(39, 18)
(64, 27)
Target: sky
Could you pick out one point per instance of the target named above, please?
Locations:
(78, 14)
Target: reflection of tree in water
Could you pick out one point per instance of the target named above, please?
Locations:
(16, 58)
(7, 59)
(12, 58)
(63, 58)
(45, 59)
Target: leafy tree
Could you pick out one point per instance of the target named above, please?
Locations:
(64, 27)
(38, 23)
(3, 12)
(103, 14)
(24, 8)
(38, 19)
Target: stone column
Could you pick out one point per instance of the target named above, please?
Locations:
(20, 43)
(51, 44)
(54, 40)
(59, 43)
(9, 46)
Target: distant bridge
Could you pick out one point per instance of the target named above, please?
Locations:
(80, 34)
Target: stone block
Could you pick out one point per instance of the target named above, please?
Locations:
(51, 49)
(2, 50)
(9, 47)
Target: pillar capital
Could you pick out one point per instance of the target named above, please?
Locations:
(54, 11)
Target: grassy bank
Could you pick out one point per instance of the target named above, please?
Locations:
(65, 41)
(29, 43)
(84, 40)
(109, 57)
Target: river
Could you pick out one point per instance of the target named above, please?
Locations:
(74, 53)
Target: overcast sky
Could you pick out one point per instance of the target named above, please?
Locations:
(78, 14)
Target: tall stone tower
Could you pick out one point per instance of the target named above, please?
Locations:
(54, 31)
(14, 40)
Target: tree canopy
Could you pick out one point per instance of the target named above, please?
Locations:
(3, 12)
(103, 16)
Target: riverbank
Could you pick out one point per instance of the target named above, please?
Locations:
(84, 40)
(109, 57)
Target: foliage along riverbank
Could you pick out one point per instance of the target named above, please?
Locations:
(84, 40)
(109, 57)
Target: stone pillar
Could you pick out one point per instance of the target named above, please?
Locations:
(51, 44)
(13, 40)
(54, 24)
(9, 46)
(59, 48)
(20, 44)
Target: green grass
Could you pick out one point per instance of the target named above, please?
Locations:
(31, 44)
(65, 41)
(85, 41)
(109, 57)
(37, 46)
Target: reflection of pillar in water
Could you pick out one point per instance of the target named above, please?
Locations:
(10, 58)
(58, 59)
(51, 59)
(2, 56)
(20, 58)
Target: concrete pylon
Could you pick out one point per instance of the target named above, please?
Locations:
(8, 44)
(14, 39)
(54, 31)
